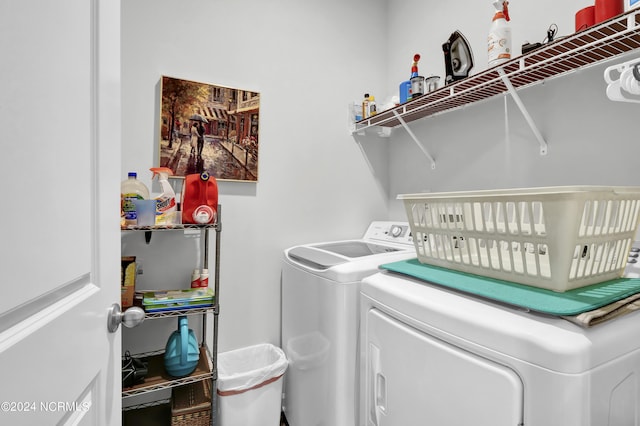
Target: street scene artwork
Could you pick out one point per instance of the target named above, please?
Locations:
(209, 128)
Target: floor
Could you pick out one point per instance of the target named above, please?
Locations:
(283, 420)
(159, 415)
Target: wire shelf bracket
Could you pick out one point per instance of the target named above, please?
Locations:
(415, 139)
(523, 109)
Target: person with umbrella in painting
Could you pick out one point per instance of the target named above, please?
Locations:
(194, 137)
(201, 131)
(197, 142)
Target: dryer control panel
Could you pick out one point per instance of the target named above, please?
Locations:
(391, 232)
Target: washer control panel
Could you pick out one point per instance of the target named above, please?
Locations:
(392, 232)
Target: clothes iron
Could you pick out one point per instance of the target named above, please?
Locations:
(458, 59)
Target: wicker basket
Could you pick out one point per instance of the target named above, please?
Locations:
(191, 404)
(558, 238)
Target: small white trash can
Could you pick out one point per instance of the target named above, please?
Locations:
(250, 386)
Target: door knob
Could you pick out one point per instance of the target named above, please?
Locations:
(130, 318)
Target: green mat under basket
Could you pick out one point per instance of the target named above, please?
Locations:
(572, 302)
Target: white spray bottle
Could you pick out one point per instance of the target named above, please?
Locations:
(166, 207)
(499, 40)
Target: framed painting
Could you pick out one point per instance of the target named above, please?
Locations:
(205, 127)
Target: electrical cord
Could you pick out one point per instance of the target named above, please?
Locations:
(551, 34)
(134, 370)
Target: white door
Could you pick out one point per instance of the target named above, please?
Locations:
(60, 159)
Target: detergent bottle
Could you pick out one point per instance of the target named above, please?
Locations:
(372, 106)
(365, 106)
(131, 189)
(166, 207)
(499, 40)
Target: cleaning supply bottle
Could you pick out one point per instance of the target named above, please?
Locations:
(204, 278)
(166, 208)
(372, 106)
(131, 189)
(499, 40)
(405, 91)
(195, 278)
(365, 106)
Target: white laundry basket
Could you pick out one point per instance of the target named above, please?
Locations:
(250, 386)
(557, 238)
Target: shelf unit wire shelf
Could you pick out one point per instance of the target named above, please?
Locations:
(204, 371)
(602, 42)
(147, 404)
(179, 312)
(185, 226)
(157, 379)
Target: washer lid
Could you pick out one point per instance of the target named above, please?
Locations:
(356, 248)
(318, 259)
(325, 256)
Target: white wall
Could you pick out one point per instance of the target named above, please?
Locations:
(592, 141)
(308, 59)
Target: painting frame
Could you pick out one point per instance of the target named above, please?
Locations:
(209, 127)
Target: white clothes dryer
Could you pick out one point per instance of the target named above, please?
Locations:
(431, 355)
(320, 290)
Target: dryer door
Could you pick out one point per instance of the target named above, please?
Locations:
(411, 378)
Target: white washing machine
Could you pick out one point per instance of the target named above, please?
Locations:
(320, 289)
(430, 355)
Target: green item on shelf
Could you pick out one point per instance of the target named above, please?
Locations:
(571, 302)
(164, 300)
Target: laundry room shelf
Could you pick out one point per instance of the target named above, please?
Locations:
(589, 47)
(153, 404)
(190, 311)
(185, 226)
(158, 379)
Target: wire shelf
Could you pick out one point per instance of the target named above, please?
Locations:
(181, 312)
(186, 226)
(589, 47)
(158, 379)
(147, 405)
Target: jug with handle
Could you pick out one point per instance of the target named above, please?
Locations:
(181, 352)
